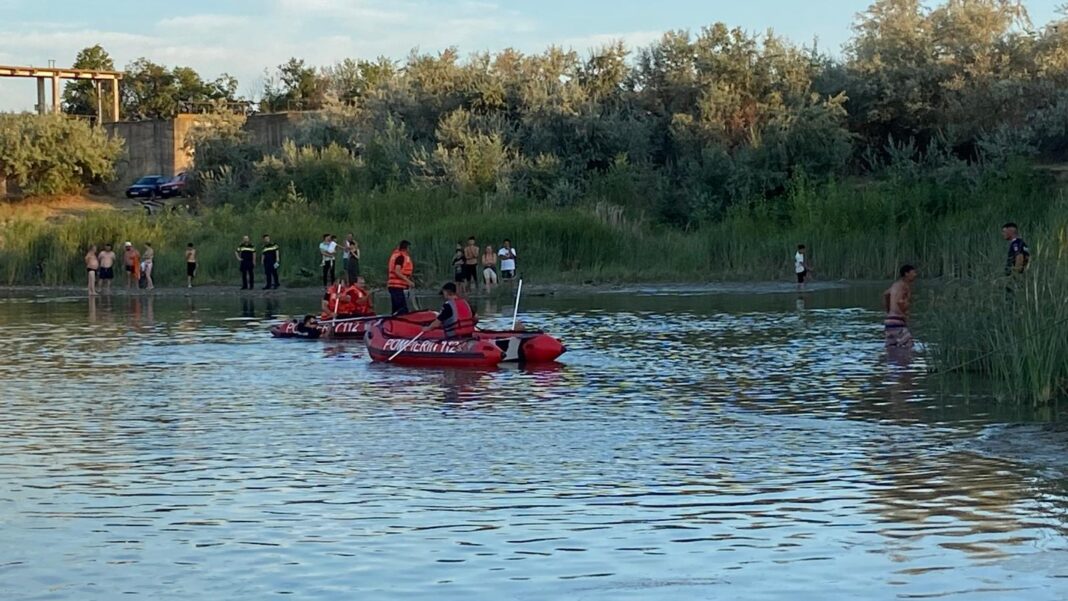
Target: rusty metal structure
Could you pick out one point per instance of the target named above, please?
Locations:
(44, 75)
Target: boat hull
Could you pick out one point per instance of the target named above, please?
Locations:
(518, 346)
(344, 330)
(383, 344)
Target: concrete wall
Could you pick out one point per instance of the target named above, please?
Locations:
(158, 147)
(272, 130)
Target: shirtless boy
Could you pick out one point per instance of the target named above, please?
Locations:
(896, 301)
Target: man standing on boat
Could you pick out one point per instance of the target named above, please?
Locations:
(896, 301)
(455, 317)
(400, 281)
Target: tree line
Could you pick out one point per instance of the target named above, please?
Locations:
(681, 131)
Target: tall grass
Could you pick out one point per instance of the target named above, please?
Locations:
(1011, 329)
(854, 230)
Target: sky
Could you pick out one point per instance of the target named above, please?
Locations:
(243, 37)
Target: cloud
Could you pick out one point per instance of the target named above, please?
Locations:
(205, 22)
(321, 32)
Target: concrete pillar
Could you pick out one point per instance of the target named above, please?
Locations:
(99, 102)
(115, 100)
(41, 96)
(55, 94)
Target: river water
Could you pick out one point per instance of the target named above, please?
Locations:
(742, 444)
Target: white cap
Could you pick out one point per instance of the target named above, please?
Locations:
(127, 244)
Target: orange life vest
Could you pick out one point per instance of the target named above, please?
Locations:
(407, 268)
(461, 323)
(359, 300)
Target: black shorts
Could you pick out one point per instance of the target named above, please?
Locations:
(801, 277)
(508, 274)
(106, 273)
(129, 268)
(190, 269)
(469, 273)
(458, 276)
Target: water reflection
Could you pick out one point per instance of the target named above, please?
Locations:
(687, 448)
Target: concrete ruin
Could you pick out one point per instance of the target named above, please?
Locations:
(158, 147)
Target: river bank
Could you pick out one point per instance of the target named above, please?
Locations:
(529, 290)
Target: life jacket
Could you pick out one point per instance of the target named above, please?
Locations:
(461, 323)
(407, 268)
(339, 302)
(359, 300)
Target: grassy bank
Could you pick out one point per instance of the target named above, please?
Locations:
(857, 230)
(1011, 329)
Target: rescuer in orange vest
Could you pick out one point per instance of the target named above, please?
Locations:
(400, 278)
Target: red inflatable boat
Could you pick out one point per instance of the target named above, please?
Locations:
(342, 330)
(386, 337)
(519, 346)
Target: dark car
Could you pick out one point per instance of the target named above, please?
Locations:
(146, 187)
(179, 186)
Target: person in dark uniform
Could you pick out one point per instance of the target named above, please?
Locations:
(271, 257)
(246, 256)
(1019, 253)
(1018, 259)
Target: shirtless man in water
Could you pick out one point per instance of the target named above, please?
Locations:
(896, 301)
(92, 265)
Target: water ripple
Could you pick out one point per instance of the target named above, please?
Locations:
(691, 446)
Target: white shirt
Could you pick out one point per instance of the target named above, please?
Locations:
(507, 256)
(799, 263)
(328, 248)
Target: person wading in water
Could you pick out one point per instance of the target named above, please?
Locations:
(92, 265)
(896, 301)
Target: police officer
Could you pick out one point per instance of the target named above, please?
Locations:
(271, 260)
(246, 255)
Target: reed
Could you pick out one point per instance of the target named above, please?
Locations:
(1011, 330)
(854, 230)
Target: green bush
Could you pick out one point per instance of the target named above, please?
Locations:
(55, 154)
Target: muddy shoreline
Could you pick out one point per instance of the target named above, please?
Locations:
(534, 290)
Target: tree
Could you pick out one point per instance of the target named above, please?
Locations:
(294, 86)
(152, 91)
(80, 96)
(54, 154)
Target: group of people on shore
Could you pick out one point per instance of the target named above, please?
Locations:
(467, 258)
(100, 267)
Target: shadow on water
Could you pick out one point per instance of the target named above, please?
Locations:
(689, 444)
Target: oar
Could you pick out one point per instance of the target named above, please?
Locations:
(515, 314)
(405, 346)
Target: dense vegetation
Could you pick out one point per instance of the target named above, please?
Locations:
(51, 154)
(706, 154)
